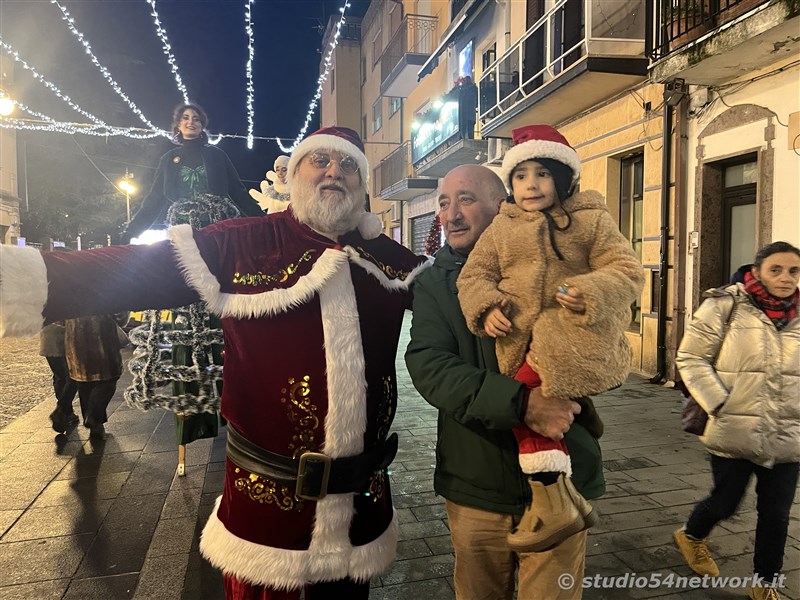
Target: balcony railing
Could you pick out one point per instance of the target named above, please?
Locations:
(395, 167)
(679, 22)
(562, 37)
(416, 35)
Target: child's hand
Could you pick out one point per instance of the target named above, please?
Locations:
(571, 298)
(495, 323)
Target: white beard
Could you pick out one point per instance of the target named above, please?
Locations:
(324, 213)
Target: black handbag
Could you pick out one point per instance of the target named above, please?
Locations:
(693, 417)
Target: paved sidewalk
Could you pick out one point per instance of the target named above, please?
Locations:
(112, 521)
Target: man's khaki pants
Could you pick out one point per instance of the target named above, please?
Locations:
(485, 565)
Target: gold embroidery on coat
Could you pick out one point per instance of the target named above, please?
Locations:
(301, 415)
(376, 485)
(390, 272)
(265, 491)
(259, 278)
(385, 411)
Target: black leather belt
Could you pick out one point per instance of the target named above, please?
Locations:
(313, 475)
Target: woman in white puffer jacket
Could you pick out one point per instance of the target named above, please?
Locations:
(740, 359)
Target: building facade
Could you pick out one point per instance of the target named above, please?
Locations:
(734, 68)
(684, 113)
(9, 188)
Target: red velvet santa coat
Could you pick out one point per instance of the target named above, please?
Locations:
(311, 331)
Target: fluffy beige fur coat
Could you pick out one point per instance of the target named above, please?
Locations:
(574, 354)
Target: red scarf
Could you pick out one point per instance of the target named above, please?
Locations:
(781, 311)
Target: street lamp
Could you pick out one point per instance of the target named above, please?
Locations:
(7, 105)
(126, 186)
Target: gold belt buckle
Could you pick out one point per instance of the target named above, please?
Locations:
(301, 474)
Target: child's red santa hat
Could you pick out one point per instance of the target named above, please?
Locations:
(539, 141)
(340, 139)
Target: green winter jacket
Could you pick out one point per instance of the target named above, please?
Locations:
(476, 452)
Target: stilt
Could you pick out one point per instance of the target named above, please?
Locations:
(181, 460)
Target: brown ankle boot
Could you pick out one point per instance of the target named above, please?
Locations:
(552, 517)
(586, 509)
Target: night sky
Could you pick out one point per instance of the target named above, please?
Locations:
(209, 43)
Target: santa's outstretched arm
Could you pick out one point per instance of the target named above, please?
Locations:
(40, 287)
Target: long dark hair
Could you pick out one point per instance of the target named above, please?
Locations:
(176, 119)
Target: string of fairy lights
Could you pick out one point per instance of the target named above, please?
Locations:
(97, 127)
(162, 35)
(320, 82)
(248, 20)
(114, 85)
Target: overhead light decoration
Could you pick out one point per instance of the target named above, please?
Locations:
(320, 81)
(114, 85)
(73, 128)
(162, 34)
(248, 19)
(52, 87)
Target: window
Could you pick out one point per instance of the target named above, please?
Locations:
(631, 202)
(738, 216)
(488, 57)
(364, 127)
(363, 70)
(377, 116)
(376, 47)
(395, 18)
(333, 80)
(456, 7)
(395, 104)
(376, 182)
(420, 227)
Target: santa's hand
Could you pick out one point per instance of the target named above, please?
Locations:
(495, 323)
(571, 298)
(550, 417)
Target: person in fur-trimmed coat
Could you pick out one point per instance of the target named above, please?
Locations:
(312, 302)
(553, 279)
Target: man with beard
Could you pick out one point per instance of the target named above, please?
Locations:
(312, 301)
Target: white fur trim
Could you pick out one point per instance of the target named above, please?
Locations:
(346, 420)
(546, 461)
(243, 306)
(330, 555)
(283, 569)
(329, 142)
(389, 284)
(23, 291)
(533, 149)
(370, 226)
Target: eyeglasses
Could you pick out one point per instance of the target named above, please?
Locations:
(347, 164)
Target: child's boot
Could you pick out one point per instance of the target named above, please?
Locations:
(586, 509)
(552, 517)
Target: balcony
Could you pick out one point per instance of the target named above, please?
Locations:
(406, 52)
(442, 138)
(709, 42)
(576, 55)
(396, 180)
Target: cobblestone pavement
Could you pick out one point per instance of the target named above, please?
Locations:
(112, 521)
(25, 378)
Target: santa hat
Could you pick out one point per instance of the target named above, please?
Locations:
(539, 141)
(341, 139)
(281, 161)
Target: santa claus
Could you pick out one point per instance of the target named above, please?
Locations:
(312, 302)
